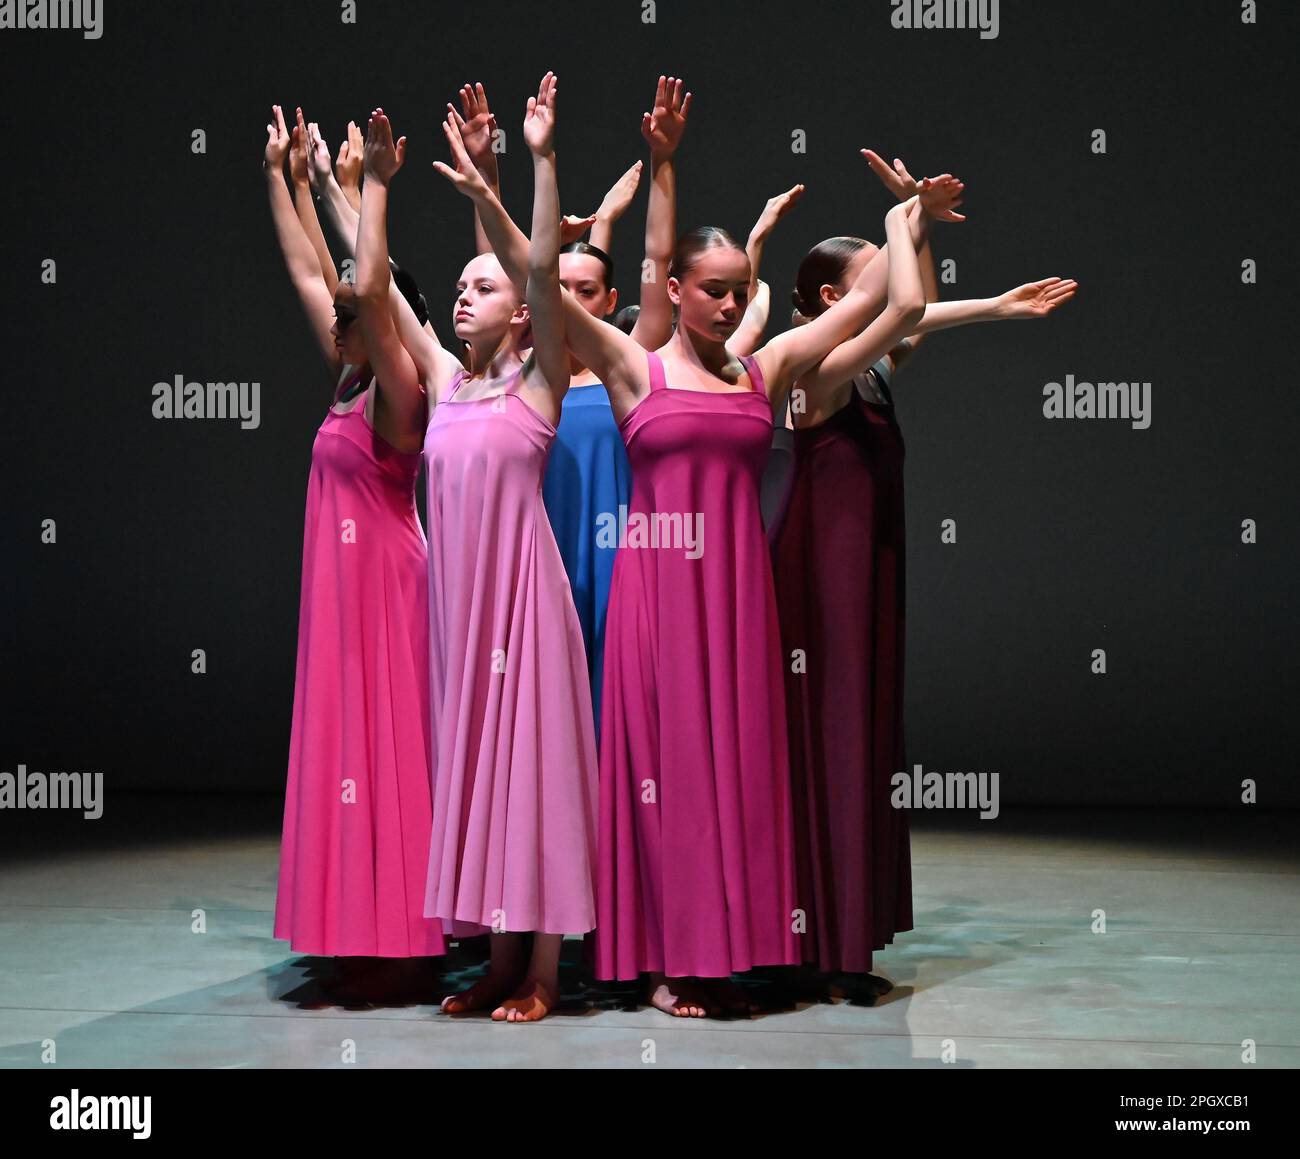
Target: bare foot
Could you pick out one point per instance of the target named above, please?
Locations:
(484, 993)
(730, 996)
(534, 1000)
(681, 997)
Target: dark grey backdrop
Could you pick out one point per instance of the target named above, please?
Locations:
(1072, 535)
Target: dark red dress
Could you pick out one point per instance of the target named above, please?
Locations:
(838, 557)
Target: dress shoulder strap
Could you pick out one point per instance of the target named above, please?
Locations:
(755, 374)
(657, 379)
(456, 380)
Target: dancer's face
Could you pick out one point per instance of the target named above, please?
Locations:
(711, 297)
(584, 277)
(346, 331)
(486, 302)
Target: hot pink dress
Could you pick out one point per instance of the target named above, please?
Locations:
(697, 871)
(358, 804)
(514, 807)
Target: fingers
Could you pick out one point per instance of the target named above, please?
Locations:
(279, 119)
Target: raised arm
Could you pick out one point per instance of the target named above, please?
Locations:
(343, 219)
(749, 334)
(545, 305)
(663, 131)
(504, 237)
(299, 256)
(903, 185)
(789, 355)
(409, 363)
(613, 206)
(348, 167)
(305, 204)
(478, 130)
(619, 362)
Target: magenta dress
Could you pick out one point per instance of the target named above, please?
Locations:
(514, 809)
(696, 872)
(358, 803)
(839, 554)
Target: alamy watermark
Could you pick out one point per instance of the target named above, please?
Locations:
(24, 790)
(86, 15)
(921, 790)
(981, 14)
(668, 529)
(1101, 400)
(179, 399)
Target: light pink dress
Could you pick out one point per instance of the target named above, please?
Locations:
(358, 804)
(514, 804)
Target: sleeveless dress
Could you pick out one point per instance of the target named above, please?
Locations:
(587, 480)
(358, 803)
(696, 872)
(838, 557)
(514, 802)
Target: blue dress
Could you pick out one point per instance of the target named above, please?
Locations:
(587, 480)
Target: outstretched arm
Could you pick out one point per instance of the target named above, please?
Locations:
(504, 237)
(545, 306)
(478, 130)
(348, 168)
(617, 360)
(903, 185)
(663, 131)
(305, 204)
(299, 255)
(406, 363)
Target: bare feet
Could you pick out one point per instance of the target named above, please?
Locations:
(484, 993)
(681, 997)
(534, 1000)
(730, 996)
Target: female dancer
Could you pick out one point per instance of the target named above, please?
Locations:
(588, 480)
(513, 838)
(696, 875)
(838, 555)
(358, 803)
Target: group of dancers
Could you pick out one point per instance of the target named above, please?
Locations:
(508, 726)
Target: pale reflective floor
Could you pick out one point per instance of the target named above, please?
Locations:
(100, 967)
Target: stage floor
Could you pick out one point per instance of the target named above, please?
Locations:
(1201, 952)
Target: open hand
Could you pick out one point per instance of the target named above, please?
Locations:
(1037, 299)
(382, 157)
(347, 166)
(465, 175)
(539, 119)
(664, 127)
(477, 125)
(572, 228)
